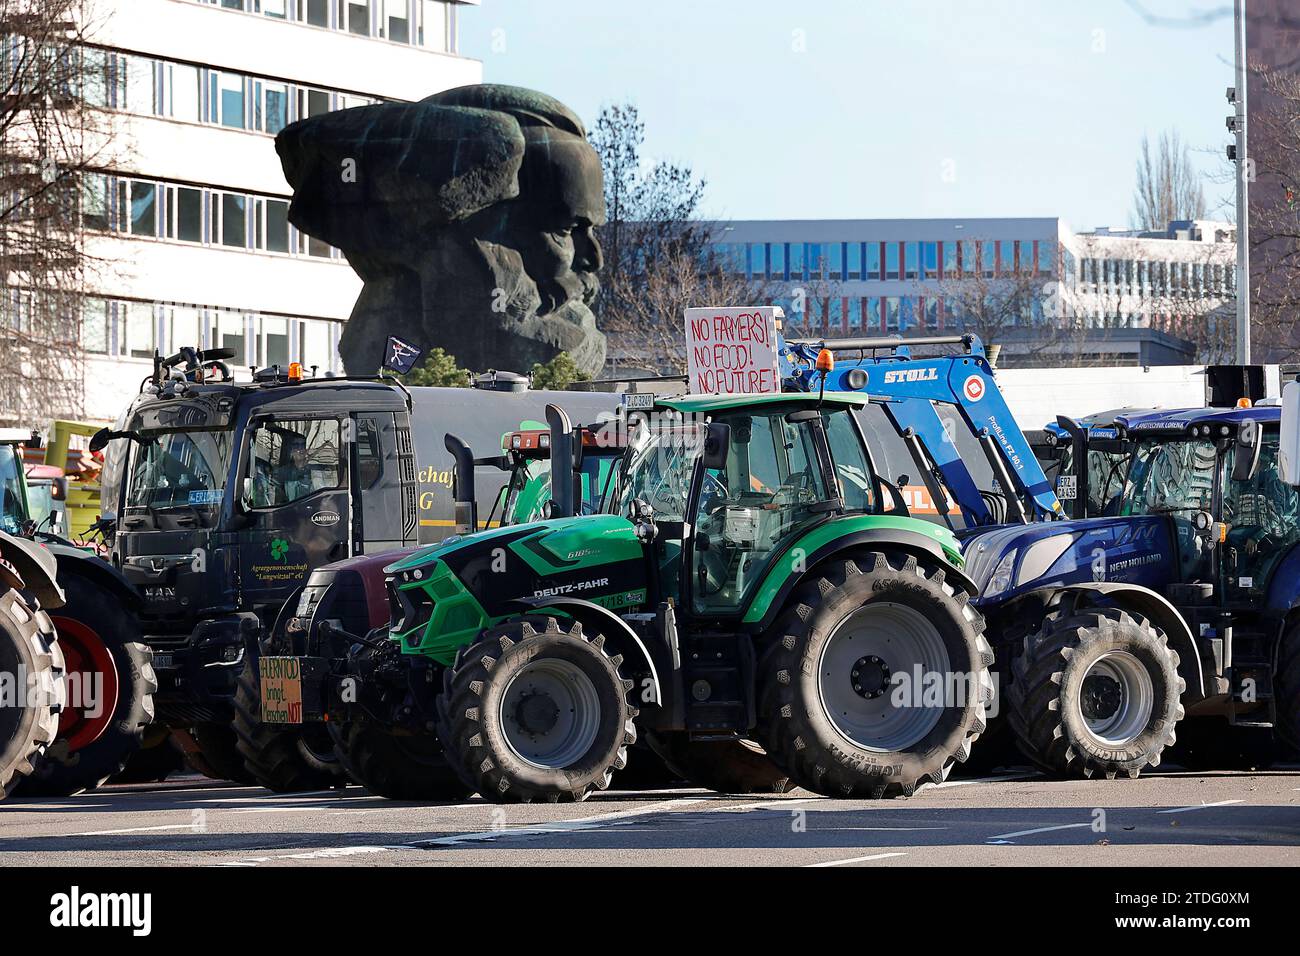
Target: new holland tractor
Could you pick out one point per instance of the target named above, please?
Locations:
(753, 588)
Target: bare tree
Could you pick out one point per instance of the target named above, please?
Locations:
(1168, 185)
(49, 137)
(649, 325)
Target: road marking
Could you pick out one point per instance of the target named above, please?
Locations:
(174, 826)
(1202, 806)
(1007, 778)
(478, 836)
(856, 859)
(1020, 833)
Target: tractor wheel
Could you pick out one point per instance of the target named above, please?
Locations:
(1095, 691)
(29, 651)
(111, 684)
(284, 759)
(875, 678)
(395, 764)
(536, 711)
(1287, 689)
(727, 766)
(156, 760)
(217, 755)
(1211, 743)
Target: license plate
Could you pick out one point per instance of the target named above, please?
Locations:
(281, 690)
(641, 400)
(164, 660)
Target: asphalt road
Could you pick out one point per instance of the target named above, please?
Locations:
(1171, 818)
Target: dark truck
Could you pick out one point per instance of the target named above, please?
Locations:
(232, 493)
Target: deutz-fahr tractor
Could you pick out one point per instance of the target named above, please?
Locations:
(752, 589)
(110, 676)
(232, 493)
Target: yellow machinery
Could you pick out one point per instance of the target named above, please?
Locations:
(83, 475)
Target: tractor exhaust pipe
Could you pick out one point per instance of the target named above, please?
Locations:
(562, 497)
(462, 489)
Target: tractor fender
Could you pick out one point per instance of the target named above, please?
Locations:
(618, 635)
(1160, 611)
(72, 560)
(27, 566)
(871, 539)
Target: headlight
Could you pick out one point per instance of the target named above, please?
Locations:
(1000, 579)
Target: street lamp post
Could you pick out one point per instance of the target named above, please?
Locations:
(1238, 99)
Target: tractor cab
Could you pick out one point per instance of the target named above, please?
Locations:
(1087, 459)
(14, 514)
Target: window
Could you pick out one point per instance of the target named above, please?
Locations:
(398, 21)
(144, 209)
(95, 325)
(312, 103)
(758, 260)
(94, 201)
(890, 307)
(891, 260)
(140, 329)
(315, 12)
(228, 333)
(949, 259)
(234, 220)
(139, 84)
(855, 313)
(358, 16)
(796, 264)
(188, 214)
(872, 250)
(911, 252)
(276, 227)
(854, 260)
(435, 26)
(969, 257)
(1025, 257)
(872, 314)
(988, 258)
(182, 93)
(272, 107)
(317, 349)
(907, 313)
(930, 259)
(852, 470)
(276, 8)
(931, 309)
(291, 460)
(777, 250)
(1006, 256)
(95, 83)
(228, 99)
(1046, 258)
(273, 344)
(184, 328)
(835, 260)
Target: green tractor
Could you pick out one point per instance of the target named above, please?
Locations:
(753, 597)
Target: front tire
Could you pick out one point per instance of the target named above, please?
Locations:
(105, 657)
(536, 712)
(283, 759)
(396, 765)
(28, 646)
(217, 754)
(829, 706)
(1096, 691)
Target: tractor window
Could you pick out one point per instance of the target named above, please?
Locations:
(290, 460)
(659, 466)
(13, 510)
(1170, 476)
(852, 470)
(771, 489)
(179, 470)
(1263, 518)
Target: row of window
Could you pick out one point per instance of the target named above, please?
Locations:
(845, 261)
(153, 87)
(123, 328)
(889, 314)
(217, 217)
(1141, 277)
(427, 23)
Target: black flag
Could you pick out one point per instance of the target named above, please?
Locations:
(400, 357)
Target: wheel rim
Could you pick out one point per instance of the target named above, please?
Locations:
(87, 656)
(858, 667)
(550, 713)
(1116, 698)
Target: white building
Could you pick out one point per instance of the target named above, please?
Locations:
(188, 219)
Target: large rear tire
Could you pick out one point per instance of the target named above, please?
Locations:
(283, 759)
(111, 684)
(726, 766)
(29, 724)
(1288, 692)
(218, 755)
(536, 712)
(156, 760)
(832, 710)
(396, 764)
(1096, 691)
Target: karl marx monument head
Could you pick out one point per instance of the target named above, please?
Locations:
(469, 216)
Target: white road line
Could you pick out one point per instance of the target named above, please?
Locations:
(174, 826)
(1202, 806)
(966, 783)
(478, 836)
(1020, 833)
(856, 859)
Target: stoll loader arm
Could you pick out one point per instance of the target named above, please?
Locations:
(910, 387)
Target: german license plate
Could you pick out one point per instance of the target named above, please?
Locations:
(163, 660)
(638, 400)
(281, 690)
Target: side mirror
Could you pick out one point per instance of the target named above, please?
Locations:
(578, 447)
(59, 489)
(246, 495)
(1288, 459)
(1245, 462)
(717, 445)
(99, 441)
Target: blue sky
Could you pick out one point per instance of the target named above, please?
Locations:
(882, 108)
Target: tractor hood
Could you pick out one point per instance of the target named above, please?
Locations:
(1008, 561)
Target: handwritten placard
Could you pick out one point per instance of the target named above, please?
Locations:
(732, 351)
